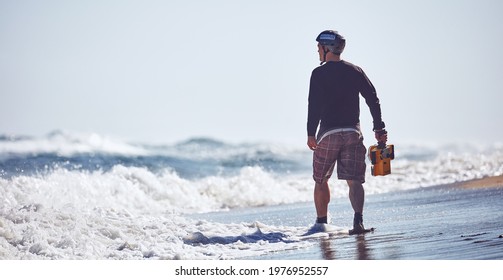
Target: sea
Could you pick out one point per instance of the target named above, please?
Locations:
(68, 195)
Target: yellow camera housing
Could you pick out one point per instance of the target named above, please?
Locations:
(380, 156)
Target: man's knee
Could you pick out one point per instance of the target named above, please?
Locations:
(321, 185)
(354, 183)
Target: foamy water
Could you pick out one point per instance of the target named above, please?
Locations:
(75, 196)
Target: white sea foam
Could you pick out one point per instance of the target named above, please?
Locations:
(139, 190)
(133, 212)
(130, 213)
(127, 213)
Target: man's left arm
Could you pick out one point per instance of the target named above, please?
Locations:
(368, 92)
(313, 115)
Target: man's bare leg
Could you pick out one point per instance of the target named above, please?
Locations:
(357, 198)
(321, 199)
(356, 195)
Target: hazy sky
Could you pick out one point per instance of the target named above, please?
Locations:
(238, 71)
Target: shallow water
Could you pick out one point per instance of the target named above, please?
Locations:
(432, 223)
(74, 196)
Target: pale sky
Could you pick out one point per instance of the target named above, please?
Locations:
(238, 71)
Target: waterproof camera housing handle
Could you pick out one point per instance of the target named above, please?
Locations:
(380, 156)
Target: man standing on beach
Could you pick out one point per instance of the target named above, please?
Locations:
(334, 106)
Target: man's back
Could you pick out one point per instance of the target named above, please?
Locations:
(334, 96)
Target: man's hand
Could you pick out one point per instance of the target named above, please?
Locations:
(311, 142)
(381, 136)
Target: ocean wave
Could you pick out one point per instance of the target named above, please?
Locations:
(139, 190)
(84, 200)
(65, 144)
(194, 158)
(204, 174)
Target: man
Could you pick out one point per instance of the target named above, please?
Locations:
(334, 95)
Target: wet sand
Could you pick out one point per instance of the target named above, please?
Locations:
(488, 182)
(461, 221)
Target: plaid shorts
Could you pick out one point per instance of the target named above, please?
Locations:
(344, 148)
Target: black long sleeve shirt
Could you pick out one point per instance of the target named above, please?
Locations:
(334, 97)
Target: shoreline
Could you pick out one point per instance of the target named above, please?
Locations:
(485, 182)
(458, 221)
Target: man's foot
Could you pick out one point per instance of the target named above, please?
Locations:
(316, 228)
(357, 228)
(358, 224)
(352, 231)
